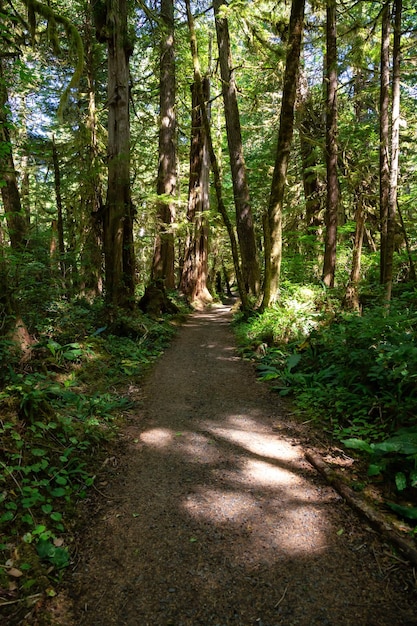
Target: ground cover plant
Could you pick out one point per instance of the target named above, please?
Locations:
(353, 374)
(59, 412)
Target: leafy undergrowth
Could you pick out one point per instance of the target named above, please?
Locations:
(59, 412)
(354, 376)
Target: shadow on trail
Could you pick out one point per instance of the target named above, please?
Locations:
(217, 520)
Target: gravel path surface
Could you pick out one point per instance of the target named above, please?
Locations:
(212, 516)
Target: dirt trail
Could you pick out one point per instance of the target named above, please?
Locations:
(213, 517)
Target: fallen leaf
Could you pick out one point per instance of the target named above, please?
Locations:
(13, 571)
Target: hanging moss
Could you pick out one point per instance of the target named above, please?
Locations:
(37, 8)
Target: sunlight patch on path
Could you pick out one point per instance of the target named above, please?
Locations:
(260, 443)
(157, 437)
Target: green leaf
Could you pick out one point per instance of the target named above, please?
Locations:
(7, 517)
(404, 511)
(58, 492)
(400, 481)
(374, 469)
(293, 360)
(358, 444)
(38, 452)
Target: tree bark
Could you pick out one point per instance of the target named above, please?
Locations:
(193, 282)
(163, 259)
(351, 299)
(395, 150)
(91, 257)
(118, 212)
(244, 218)
(213, 159)
(384, 167)
(332, 199)
(60, 218)
(273, 218)
(15, 217)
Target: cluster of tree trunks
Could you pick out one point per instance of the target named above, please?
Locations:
(110, 223)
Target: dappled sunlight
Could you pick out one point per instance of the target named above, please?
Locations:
(260, 443)
(263, 527)
(198, 448)
(219, 506)
(266, 475)
(157, 437)
(236, 504)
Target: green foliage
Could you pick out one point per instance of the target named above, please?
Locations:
(354, 375)
(398, 451)
(58, 414)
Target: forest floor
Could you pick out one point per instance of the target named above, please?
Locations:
(209, 513)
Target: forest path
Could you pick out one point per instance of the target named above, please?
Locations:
(213, 516)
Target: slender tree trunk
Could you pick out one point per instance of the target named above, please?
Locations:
(309, 133)
(244, 218)
(15, 218)
(91, 258)
(118, 213)
(351, 299)
(195, 268)
(25, 168)
(395, 148)
(213, 159)
(163, 260)
(273, 219)
(60, 218)
(332, 200)
(413, 275)
(384, 166)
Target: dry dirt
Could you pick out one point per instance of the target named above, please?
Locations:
(212, 516)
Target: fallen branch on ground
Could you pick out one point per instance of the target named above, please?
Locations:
(374, 517)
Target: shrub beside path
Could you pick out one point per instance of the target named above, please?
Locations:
(210, 514)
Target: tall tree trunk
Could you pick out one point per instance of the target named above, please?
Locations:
(213, 159)
(273, 219)
(15, 218)
(351, 299)
(332, 200)
(163, 260)
(395, 149)
(118, 212)
(195, 269)
(384, 167)
(244, 218)
(91, 257)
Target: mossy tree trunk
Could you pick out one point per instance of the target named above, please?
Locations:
(163, 259)
(273, 217)
(244, 219)
(332, 199)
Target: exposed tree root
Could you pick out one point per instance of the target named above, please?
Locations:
(376, 519)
